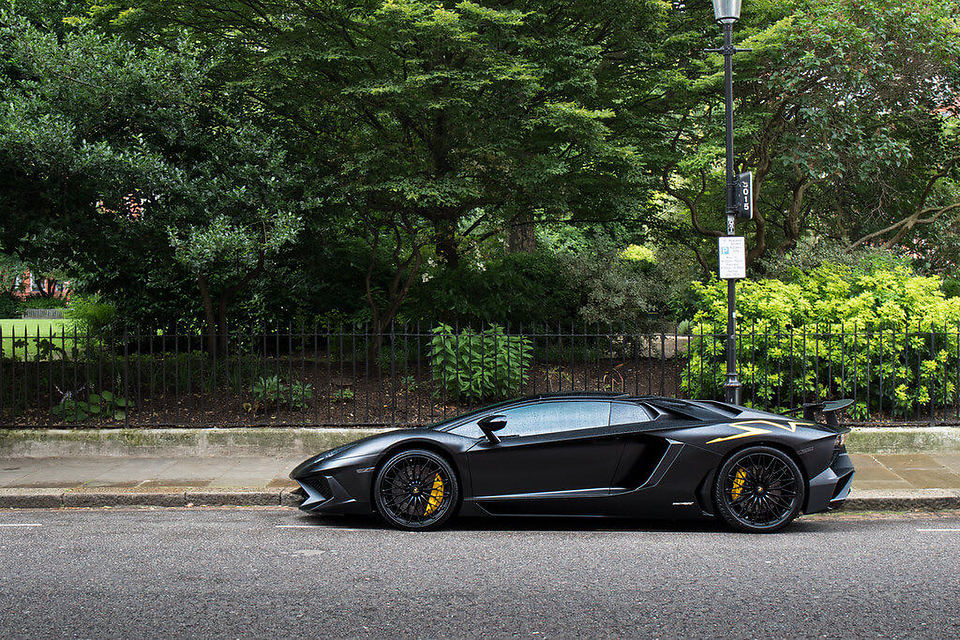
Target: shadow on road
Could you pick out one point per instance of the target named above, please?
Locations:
(819, 523)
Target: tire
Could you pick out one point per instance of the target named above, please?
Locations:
(759, 490)
(416, 490)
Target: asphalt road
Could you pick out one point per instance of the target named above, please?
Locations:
(245, 573)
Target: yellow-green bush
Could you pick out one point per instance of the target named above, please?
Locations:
(881, 332)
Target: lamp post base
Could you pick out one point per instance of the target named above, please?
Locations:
(732, 391)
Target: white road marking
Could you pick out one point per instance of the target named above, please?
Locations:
(20, 524)
(314, 526)
(940, 530)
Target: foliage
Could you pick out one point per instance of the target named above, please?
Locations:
(479, 365)
(433, 125)
(271, 161)
(272, 392)
(97, 405)
(342, 395)
(639, 253)
(822, 332)
(9, 306)
(42, 302)
(846, 111)
(91, 312)
(128, 166)
(515, 288)
(620, 291)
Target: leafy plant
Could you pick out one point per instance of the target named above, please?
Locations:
(9, 306)
(878, 332)
(91, 311)
(476, 366)
(271, 392)
(342, 395)
(42, 302)
(97, 405)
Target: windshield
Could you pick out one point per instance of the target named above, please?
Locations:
(453, 420)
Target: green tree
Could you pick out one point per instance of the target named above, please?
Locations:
(437, 124)
(121, 163)
(846, 111)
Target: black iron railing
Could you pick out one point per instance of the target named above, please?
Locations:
(413, 374)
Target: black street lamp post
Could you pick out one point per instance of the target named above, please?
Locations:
(727, 12)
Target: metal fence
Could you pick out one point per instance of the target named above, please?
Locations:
(349, 376)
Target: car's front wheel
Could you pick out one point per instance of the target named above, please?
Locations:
(416, 490)
(759, 490)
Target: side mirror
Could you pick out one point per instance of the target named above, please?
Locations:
(490, 424)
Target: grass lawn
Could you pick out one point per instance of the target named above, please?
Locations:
(12, 329)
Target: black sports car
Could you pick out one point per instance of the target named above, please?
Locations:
(590, 454)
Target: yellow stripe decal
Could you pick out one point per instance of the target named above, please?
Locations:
(747, 432)
(750, 428)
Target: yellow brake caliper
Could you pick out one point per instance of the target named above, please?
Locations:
(738, 481)
(436, 496)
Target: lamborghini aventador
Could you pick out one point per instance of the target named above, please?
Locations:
(591, 454)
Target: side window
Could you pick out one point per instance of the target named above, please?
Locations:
(546, 417)
(628, 413)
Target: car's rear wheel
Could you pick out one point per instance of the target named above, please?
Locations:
(416, 490)
(759, 490)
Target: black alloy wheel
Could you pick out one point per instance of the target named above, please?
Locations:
(416, 490)
(759, 490)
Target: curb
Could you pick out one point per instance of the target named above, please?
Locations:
(920, 500)
(59, 499)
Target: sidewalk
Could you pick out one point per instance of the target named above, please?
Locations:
(883, 481)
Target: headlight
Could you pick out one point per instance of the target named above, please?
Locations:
(332, 452)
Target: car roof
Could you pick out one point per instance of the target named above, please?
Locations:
(695, 409)
(706, 410)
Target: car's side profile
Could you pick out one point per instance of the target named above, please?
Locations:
(587, 454)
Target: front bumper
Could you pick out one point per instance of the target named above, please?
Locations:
(829, 489)
(336, 485)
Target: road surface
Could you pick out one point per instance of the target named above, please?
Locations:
(248, 573)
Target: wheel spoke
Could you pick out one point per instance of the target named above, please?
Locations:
(761, 490)
(407, 490)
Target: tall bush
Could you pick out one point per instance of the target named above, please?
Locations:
(880, 332)
(91, 312)
(479, 365)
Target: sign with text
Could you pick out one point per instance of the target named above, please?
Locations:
(733, 257)
(744, 196)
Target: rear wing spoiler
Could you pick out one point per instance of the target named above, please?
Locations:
(829, 408)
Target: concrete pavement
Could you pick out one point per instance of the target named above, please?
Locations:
(271, 573)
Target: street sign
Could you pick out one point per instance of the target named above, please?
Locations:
(733, 257)
(744, 196)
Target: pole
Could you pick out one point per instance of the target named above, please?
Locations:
(732, 385)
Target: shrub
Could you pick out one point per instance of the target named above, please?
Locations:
(271, 392)
(522, 288)
(103, 404)
(479, 365)
(9, 306)
(91, 311)
(835, 330)
(42, 302)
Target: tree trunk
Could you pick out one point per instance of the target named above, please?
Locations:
(522, 238)
(211, 320)
(447, 247)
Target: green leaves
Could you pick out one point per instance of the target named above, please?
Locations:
(271, 392)
(878, 331)
(479, 365)
(103, 405)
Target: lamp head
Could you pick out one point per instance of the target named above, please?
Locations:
(726, 11)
